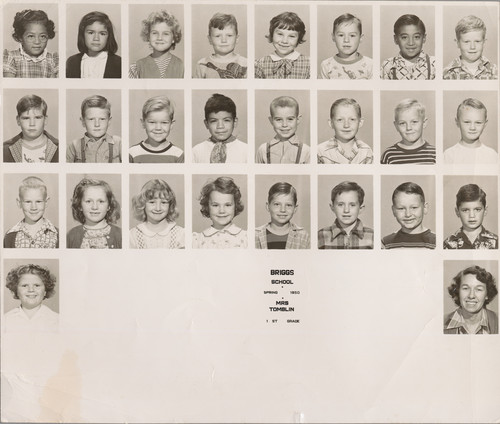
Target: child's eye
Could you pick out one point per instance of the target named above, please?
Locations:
(103, 33)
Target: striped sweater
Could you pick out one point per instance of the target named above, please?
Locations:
(425, 154)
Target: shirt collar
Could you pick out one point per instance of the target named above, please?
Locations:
(292, 56)
(102, 55)
(229, 140)
(88, 139)
(232, 229)
(293, 226)
(457, 320)
(21, 226)
(358, 229)
(27, 57)
(150, 233)
(421, 57)
(292, 140)
(338, 59)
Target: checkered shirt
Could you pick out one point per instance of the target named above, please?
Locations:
(335, 237)
(18, 64)
(485, 71)
(47, 237)
(457, 323)
(298, 238)
(283, 68)
(398, 68)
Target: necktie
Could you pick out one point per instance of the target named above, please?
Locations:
(283, 68)
(218, 154)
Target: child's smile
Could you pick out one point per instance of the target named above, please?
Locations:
(96, 38)
(35, 39)
(346, 208)
(157, 125)
(285, 41)
(410, 125)
(30, 291)
(471, 45)
(410, 41)
(32, 123)
(345, 122)
(409, 211)
(156, 209)
(220, 125)
(95, 205)
(33, 203)
(285, 122)
(471, 122)
(282, 208)
(221, 209)
(161, 37)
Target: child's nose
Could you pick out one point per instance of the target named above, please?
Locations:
(96, 36)
(220, 124)
(96, 123)
(346, 38)
(346, 208)
(346, 124)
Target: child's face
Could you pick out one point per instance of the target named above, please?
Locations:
(410, 125)
(410, 40)
(161, 37)
(472, 293)
(223, 40)
(345, 122)
(157, 125)
(32, 123)
(285, 41)
(472, 123)
(285, 121)
(221, 209)
(347, 38)
(30, 291)
(409, 211)
(96, 121)
(282, 208)
(32, 202)
(346, 208)
(471, 45)
(35, 39)
(220, 125)
(156, 209)
(471, 214)
(96, 38)
(95, 205)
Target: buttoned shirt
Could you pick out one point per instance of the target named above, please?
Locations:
(171, 237)
(292, 66)
(298, 238)
(95, 150)
(283, 151)
(398, 68)
(335, 237)
(47, 236)
(484, 240)
(456, 71)
(456, 323)
(332, 151)
(231, 237)
(19, 64)
(93, 66)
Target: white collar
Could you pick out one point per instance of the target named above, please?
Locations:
(292, 56)
(33, 59)
(232, 229)
(102, 55)
(150, 233)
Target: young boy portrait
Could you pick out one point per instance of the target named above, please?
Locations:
(222, 146)
(34, 231)
(470, 36)
(410, 121)
(285, 147)
(224, 62)
(96, 145)
(411, 62)
(347, 231)
(471, 120)
(33, 143)
(409, 207)
(348, 62)
(471, 208)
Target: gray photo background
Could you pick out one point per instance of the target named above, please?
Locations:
(13, 214)
(365, 101)
(201, 223)
(389, 183)
(10, 99)
(451, 185)
(53, 266)
(452, 268)
(138, 48)
(326, 217)
(301, 183)
(200, 17)
(176, 183)
(327, 14)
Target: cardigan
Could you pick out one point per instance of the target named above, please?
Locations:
(147, 68)
(13, 148)
(113, 66)
(74, 237)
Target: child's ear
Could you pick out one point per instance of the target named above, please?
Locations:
(209, 39)
(206, 123)
(361, 122)
(18, 121)
(143, 123)
(424, 124)
(361, 208)
(457, 212)
(485, 210)
(270, 119)
(426, 208)
(457, 122)
(267, 206)
(82, 120)
(330, 123)
(396, 41)
(424, 39)
(235, 120)
(331, 207)
(299, 117)
(18, 203)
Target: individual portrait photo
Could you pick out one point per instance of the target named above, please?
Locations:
(30, 40)
(407, 42)
(31, 295)
(156, 126)
(93, 126)
(93, 211)
(282, 212)
(345, 212)
(470, 42)
(220, 217)
(345, 127)
(282, 129)
(219, 41)
(282, 43)
(156, 41)
(470, 122)
(408, 212)
(219, 126)
(29, 135)
(93, 41)
(345, 42)
(407, 127)
(157, 213)
(30, 211)
(470, 302)
(470, 212)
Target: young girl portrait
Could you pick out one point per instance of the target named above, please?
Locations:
(97, 45)
(162, 31)
(220, 201)
(96, 208)
(32, 29)
(156, 207)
